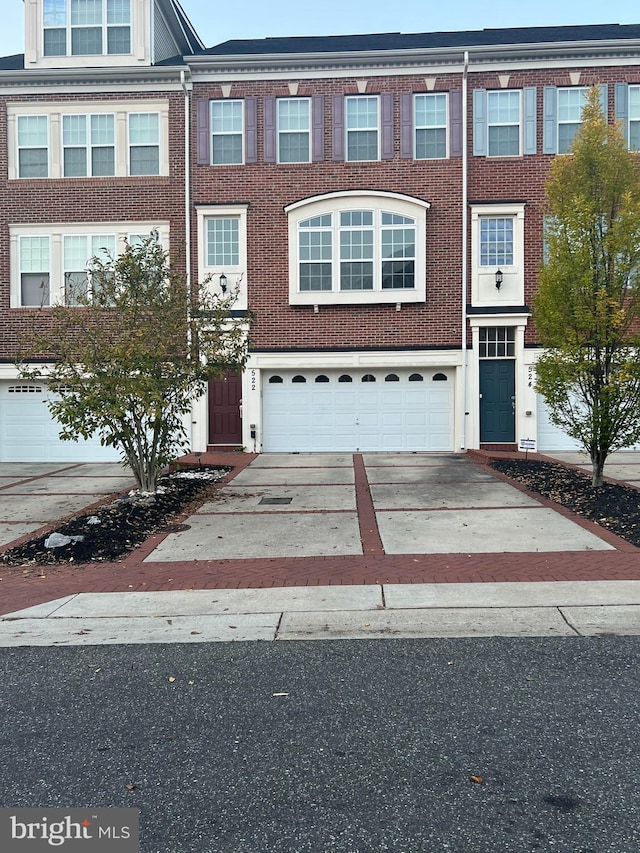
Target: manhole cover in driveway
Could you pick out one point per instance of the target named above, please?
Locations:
(276, 501)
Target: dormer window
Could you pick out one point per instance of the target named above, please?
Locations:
(87, 27)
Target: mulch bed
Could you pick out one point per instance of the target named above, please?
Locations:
(613, 506)
(108, 533)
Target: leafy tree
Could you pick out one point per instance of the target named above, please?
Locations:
(586, 310)
(131, 349)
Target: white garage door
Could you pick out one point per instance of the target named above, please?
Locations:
(551, 437)
(28, 433)
(358, 410)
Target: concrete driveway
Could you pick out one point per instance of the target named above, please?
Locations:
(319, 505)
(35, 493)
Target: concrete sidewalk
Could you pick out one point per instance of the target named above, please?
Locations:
(325, 613)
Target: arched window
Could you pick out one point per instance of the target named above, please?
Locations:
(298, 378)
(357, 247)
(322, 378)
(392, 377)
(368, 377)
(440, 377)
(345, 378)
(416, 377)
(275, 380)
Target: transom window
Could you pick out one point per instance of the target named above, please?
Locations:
(430, 120)
(497, 342)
(227, 128)
(496, 241)
(570, 105)
(293, 130)
(503, 123)
(86, 27)
(634, 118)
(362, 127)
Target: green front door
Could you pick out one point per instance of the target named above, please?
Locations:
(497, 401)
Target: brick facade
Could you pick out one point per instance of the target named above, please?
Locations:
(439, 335)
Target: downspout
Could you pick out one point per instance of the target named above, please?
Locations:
(463, 301)
(187, 198)
(187, 170)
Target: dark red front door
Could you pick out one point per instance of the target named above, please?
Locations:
(225, 426)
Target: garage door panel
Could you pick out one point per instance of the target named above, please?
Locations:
(357, 416)
(392, 419)
(28, 432)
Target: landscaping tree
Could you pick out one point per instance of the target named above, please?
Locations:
(131, 349)
(586, 310)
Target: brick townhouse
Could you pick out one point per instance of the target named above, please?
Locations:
(377, 201)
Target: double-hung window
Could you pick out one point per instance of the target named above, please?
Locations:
(571, 102)
(34, 261)
(78, 250)
(33, 146)
(503, 123)
(362, 122)
(430, 121)
(357, 248)
(294, 125)
(634, 118)
(88, 143)
(227, 131)
(144, 144)
(87, 27)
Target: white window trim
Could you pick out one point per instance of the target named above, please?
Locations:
(585, 90)
(56, 232)
(415, 127)
(140, 27)
(288, 132)
(236, 275)
(520, 122)
(635, 119)
(54, 112)
(483, 282)
(348, 130)
(356, 200)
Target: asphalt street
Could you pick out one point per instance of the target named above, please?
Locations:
(482, 744)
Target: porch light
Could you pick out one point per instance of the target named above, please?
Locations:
(223, 282)
(498, 279)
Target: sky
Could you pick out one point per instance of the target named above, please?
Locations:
(217, 22)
